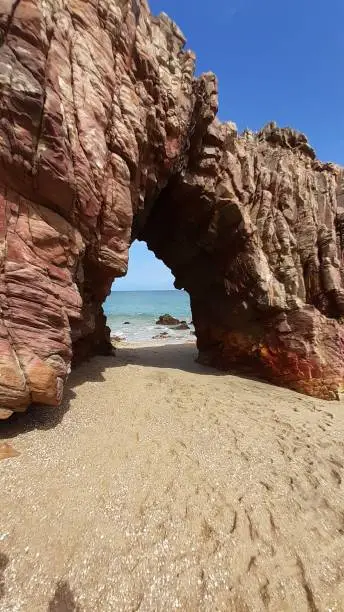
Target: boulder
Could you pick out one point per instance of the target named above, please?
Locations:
(117, 338)
(167, 319)
(182, 326)
(161, 336)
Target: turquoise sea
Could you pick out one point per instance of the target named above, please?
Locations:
(132, 315)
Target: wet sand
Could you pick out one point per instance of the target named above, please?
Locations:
(162, 485)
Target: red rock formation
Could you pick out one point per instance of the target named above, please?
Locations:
(106, 136)
(255, 221)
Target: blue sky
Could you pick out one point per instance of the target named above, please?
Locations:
(280, 60)
(145, 271)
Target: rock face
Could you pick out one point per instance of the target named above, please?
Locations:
(105, 137)
(252, 229)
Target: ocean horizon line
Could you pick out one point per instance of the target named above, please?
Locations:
(142, 290)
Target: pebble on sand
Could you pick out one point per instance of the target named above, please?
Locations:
(7, 451)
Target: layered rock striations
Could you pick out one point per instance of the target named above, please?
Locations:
(106, 136)
(252, 229)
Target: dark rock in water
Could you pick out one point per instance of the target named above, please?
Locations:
(118, 339)
(183, 325)
(126, 323)
(167, 319)
(161, 336)
(193, 333)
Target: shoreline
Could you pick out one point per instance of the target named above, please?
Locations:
(151, 343)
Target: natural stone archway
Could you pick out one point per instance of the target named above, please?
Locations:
(106, 136)
(249, 229)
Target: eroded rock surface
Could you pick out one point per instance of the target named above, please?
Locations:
(105, 137)
(252, 229)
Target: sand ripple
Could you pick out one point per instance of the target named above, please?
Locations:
(168, 486)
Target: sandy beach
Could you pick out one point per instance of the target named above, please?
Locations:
(162, 485)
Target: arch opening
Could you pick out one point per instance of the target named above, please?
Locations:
(144, 306)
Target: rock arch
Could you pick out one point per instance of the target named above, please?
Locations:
(106, 136)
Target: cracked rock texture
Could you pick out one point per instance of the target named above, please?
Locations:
(106, 136)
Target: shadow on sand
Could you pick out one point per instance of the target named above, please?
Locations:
(39, 416)
(63, 600)
(4, 561)
(172, 356)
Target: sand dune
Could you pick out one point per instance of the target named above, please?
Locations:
(161, 485)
